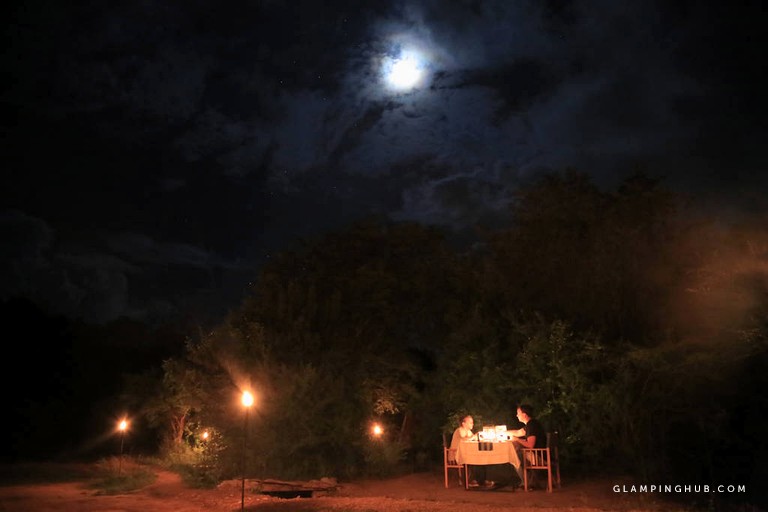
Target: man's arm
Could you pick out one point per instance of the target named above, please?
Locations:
(528, 442)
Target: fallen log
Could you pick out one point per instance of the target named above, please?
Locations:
(287, 488)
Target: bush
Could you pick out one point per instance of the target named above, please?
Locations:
(383, 458)
(198, 460)
(118, 475)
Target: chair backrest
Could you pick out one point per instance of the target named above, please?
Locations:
(536, 458)
(449, 455)
(543, 458)
(449, 462)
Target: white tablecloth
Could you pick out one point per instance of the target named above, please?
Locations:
(470, 452)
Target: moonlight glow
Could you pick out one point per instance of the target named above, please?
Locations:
(406, 72)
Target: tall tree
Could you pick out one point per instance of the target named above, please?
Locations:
(597, 259)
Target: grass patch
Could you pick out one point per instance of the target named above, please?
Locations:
(45, 473)
(195, 476)
(117, 476)
(108, 476)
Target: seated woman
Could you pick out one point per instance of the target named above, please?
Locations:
(464, 433)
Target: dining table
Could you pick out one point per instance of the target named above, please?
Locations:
(485, 453)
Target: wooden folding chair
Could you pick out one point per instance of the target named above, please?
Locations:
(449, 462)
(543, 458)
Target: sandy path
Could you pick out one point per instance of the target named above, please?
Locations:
(422, 492)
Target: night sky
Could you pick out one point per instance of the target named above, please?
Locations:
(155, 154)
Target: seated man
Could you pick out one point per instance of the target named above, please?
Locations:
(532, 435)
(464, 433)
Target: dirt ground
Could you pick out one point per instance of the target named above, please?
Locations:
(420, 492)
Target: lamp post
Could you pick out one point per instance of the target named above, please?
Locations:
(247, 401)
(122, 426)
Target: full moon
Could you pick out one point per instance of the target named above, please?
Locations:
(405, 72)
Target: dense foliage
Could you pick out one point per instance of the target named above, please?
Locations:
(636, 329)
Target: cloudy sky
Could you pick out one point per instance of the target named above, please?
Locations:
(156, 153)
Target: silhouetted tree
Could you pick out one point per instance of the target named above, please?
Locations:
(597, 259)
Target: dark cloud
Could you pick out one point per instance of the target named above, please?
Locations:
(159, 152)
